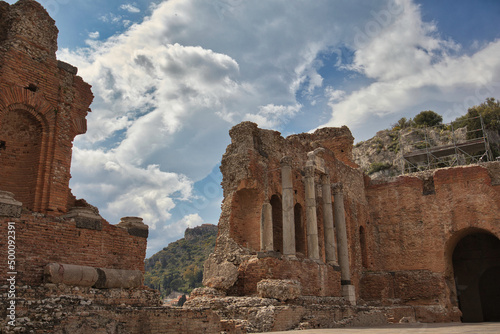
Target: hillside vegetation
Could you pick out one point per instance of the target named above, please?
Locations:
(381, 155)
(179, 266)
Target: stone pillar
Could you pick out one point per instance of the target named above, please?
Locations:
(266, 228)
(348, 291)
(311, 218)
(330, 244)
(287, 205)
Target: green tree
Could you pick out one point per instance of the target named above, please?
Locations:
(428, 118)
(403, 123)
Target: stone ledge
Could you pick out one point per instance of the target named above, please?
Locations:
(9, 207)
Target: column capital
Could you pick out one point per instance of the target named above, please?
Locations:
(337, 188)
(286, 161)
(309, 171)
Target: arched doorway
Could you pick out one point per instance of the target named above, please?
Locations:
(20, 158)
(277, 223)
(300, 234)
(476, 267)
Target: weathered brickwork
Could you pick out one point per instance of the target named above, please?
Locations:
(305, 241)
(251, 178)
(411, 241)
(43, 106)
(43, 240)
(415, 252)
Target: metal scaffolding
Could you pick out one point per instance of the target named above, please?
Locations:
(420, 151)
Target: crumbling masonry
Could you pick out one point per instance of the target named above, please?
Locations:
(306, 240)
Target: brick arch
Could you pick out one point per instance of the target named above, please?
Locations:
(26, 125)
(34, 103)
(451, 246)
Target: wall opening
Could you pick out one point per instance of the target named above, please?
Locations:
(300, 234)
(362, 243)
(277, 223)
(476, 268)
(245, 218)
(20, 158)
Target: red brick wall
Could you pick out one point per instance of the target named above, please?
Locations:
(43, 240)
(316, 279)
(246, 214)
(32, 80)
(410, 232)
(20, 160)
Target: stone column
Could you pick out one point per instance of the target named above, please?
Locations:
(348, 291)
(266, 228)
(287, 205)
(311, 218)
(330, 244)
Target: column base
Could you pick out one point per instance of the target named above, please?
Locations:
(349, 293)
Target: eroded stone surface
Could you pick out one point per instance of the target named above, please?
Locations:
(279, 289)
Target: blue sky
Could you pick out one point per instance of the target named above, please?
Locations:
(170, 78)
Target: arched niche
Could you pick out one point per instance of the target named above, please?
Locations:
(300, 232)
(245, 219)
(20, 159)
(277, 210)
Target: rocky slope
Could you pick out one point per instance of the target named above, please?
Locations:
(381, 156)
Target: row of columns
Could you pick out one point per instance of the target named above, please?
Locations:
(329, 215)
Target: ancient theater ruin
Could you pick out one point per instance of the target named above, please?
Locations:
(298, 215)
(306, 240)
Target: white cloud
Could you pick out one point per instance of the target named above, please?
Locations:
(181, 225)
(168, 89)
(272, 116)
(130, 8)
(94, 35)
(409, 63)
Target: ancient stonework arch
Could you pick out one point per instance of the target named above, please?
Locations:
(29, 176)
(470, 253)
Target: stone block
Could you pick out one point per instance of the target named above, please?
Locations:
(9, 207)
(279, 289)
(85, 217)
(134, 226)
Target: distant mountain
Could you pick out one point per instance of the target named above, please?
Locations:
(179, 266)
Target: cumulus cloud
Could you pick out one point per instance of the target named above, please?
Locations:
(410, 63)
(168, 89)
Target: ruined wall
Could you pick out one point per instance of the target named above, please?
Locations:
(43, 240)
(251, 178)
(43, 105)
(415, 225)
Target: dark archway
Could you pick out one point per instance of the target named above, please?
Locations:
(362, 243)
(277, 223)
(476, 260)
(300, 233)
(489, 291)
(20, 159)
